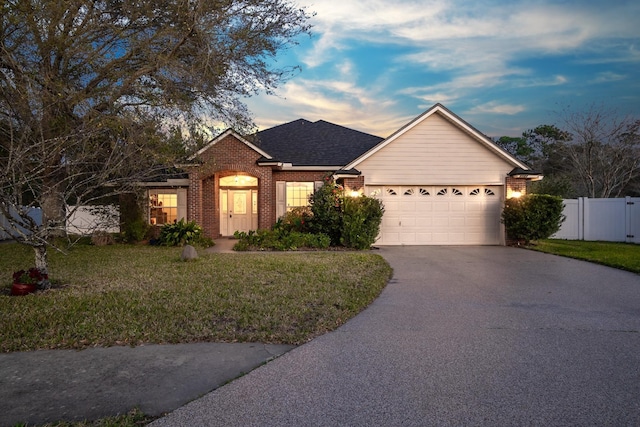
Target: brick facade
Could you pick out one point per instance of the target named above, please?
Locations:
(230, 156)
(515, 186)
(355, 184)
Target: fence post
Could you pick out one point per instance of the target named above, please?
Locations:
(628, 229)
(580, 218)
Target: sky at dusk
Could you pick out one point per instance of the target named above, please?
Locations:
(503, 66)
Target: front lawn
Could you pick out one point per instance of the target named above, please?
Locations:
(129, 295)
(625, 256)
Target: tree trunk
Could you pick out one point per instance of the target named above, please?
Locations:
(53, 209)
(41, 258)
(42, 264)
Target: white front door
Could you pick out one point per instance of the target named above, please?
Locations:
(238, 211)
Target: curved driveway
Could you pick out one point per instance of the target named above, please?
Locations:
(460, 336)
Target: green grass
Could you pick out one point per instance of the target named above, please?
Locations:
(129, 295)
(625, 256)
(134, 418)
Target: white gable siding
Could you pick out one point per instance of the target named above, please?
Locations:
(434, 152)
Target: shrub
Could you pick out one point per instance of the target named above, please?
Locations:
(298, 219)
(331, 220)
(180, 233)
(326, 208)
(135, 230)
(532, 217)
(133, 225)
(360, 221)
(279, 240)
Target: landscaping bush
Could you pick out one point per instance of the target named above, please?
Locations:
(298, 219)
(360, 221)
(180, 233)
(326, 209)
(532, 217)
(279, 240)
(331, 220)
(133, 224)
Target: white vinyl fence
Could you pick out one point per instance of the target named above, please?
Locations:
(612, 220)
(35, 213)
(85, 220)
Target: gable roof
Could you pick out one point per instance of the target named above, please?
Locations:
(305, 143)
(239, 137)
(455, 120)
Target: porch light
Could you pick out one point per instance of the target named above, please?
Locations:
(515, 195)
(354, 193)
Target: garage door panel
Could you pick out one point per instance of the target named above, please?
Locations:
(390, 205)
(457, 222)
(408, 221)
(476, 222)
(441, 206)
(390, 238)
(423, 207)
(457, 207)
(390, 221)
(408, 238)
(439, 222)
(440, 215)
(424, 238)
(407, 207)
(476, 207)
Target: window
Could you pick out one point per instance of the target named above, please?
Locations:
(163, 207)
(238, 181)
(298, 194)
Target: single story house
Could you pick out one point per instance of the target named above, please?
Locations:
(442, 182)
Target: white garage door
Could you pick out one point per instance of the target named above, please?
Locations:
(439, 215)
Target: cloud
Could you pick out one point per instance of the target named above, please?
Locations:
(456, 34)
(608, 76)
(459, 87)
(496, 108)
(457, 52)
(337, 101)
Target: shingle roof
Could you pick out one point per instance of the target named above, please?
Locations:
(305, 143)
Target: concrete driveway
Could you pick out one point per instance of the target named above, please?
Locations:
(461, 336)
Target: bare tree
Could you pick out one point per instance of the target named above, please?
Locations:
(604, 152)
(91, 92)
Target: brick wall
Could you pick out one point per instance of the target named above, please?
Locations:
(515, 185)
(228, 156)
(353, 184)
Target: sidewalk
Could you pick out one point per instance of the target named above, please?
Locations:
(223, 245)
(39, 387)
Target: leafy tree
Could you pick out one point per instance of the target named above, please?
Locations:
(95, 95)
(540, 147)
(594, 154)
